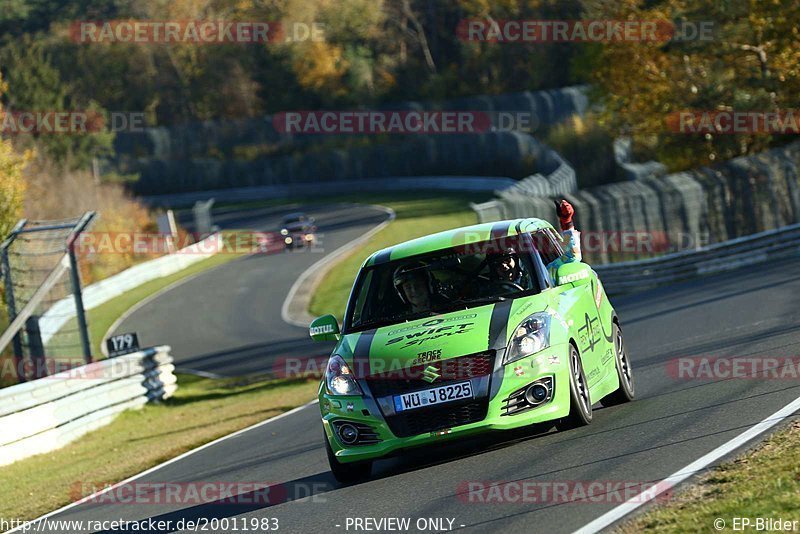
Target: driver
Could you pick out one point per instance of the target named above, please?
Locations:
(414, 284)
(504, 266)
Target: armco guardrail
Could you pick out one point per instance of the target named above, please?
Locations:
(45, 414)
(771, 245)
(388, 183)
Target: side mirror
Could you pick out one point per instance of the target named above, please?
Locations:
(325, 328)
(575, 273)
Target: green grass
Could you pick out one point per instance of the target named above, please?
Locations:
(417, 215)
(764, 482)
(201, 411)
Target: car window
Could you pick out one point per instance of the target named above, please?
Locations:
(445, 280)
(546, 244)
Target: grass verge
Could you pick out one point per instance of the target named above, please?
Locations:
(201, 411)
(764, 482)
(416, 216)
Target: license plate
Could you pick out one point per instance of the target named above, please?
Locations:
(433, 396)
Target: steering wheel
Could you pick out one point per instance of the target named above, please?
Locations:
(510, 286)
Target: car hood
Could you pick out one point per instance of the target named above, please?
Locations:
(441, 337)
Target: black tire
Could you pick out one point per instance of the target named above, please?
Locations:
(580, 403)
(347, 473)
(626, 391)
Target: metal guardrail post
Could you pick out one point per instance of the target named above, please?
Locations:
(11, 304)
(75, 277)
(36, 347)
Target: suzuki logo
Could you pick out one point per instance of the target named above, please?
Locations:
(430, 374)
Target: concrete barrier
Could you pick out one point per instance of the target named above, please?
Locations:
(45, 414)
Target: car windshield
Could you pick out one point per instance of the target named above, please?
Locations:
(294, 218)
(454, 278)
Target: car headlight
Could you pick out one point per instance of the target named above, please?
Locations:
(530, 337)
(339, 379)
(284, 231)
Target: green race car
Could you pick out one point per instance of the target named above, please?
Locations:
(487, 327)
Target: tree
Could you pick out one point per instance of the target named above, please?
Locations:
(750, 65)
(12, 183)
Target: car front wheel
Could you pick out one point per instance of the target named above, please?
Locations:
(580, 410)
(347, 472)
(625, 392)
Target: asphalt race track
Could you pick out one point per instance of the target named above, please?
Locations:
(228, 321)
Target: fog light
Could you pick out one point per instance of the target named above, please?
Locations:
(536, 393)
(288, 240)
(348, 433)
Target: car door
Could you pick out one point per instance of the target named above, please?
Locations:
(576, 304)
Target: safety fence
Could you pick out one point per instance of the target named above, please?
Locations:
(769, 246)
(45, 414)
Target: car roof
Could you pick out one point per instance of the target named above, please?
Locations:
(295, 215)
(455, 237)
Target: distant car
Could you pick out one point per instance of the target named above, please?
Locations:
(298, 230)
(437, 345)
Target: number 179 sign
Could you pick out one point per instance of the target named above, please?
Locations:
(122, 344)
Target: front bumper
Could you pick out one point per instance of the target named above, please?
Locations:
(494, 393)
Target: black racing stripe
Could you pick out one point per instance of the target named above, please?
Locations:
(499, 229)
(498, 324)
(361, 353)
(382, 257)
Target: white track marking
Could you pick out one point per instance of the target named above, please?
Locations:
(164, 464)
(693, 468)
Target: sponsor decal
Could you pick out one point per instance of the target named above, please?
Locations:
(607, 357)
(323, 329)
(431, 374)
(427, 356)
(554, 360)
(419, 338)
(519, 371)
(598, 295)
(433, 322)
(588, 333)
(573, 277)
